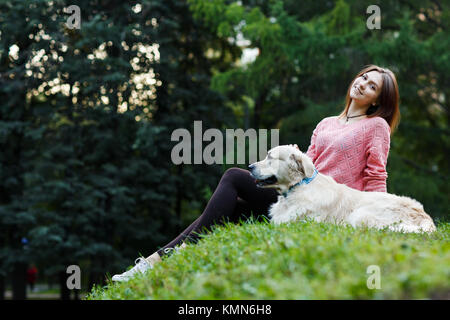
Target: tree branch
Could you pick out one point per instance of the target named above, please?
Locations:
(424, 169)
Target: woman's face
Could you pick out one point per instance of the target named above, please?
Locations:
(366, 88)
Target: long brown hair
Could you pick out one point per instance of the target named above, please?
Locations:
(387, 105)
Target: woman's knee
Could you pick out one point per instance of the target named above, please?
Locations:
(233, 174)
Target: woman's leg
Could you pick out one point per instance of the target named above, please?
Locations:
(242, 210)
(235, 196)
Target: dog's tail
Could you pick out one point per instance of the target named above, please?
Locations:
(428, 225)
(421, 220)
(425, 222)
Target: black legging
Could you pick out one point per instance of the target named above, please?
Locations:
(236, 196)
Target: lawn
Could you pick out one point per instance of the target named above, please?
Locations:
(304, 260)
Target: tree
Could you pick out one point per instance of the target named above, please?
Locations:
(88, 178)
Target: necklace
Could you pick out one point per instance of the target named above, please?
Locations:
(353, 117)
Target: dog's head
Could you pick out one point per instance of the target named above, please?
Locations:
(283, 167)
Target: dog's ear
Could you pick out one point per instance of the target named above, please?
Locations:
(304, 163)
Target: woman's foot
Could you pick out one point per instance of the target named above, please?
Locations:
(176, 249)
(141, 265)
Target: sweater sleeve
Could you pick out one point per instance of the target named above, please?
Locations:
(375, 175)
(312, 146)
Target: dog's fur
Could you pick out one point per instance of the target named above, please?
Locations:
(325, 200)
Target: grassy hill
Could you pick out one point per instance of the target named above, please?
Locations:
(305, 260)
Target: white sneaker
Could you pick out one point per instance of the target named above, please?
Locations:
(141, 265)
(176, 249)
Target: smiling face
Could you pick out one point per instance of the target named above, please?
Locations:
(366, 88)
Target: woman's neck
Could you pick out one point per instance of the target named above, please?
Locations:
(355, 109)
(354, 112)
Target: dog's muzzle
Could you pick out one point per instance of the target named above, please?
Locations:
(265, 182)
(261, 180)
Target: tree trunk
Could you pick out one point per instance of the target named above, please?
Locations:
(76, 294)
(2, 288)
(258, 109)
(64, 291)
(179, 198)
(19, 283)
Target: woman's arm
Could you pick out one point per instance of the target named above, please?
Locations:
(312, 146)
(375, 175)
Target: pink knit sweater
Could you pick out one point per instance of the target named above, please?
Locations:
(354, 154)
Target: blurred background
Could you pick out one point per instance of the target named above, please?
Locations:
(86, 115)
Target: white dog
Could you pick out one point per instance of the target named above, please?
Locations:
(306, 193)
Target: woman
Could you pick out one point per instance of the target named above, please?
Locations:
(352, 148)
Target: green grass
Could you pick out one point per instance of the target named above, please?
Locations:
(304, 260)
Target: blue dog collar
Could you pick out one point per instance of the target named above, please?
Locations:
(303, 181)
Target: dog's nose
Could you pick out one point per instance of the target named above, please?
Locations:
(250, 167)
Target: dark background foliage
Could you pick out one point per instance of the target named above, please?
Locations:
(86, 115)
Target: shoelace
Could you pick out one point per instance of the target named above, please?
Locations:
(176, 249)
(138, 261)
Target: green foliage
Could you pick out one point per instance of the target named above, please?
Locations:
(85, 168)
(296, 261)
